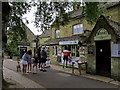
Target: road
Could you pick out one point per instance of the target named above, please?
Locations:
(56, 79)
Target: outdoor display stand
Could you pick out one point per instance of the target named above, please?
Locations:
(47, 62)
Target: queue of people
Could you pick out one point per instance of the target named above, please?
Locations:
(30, 63)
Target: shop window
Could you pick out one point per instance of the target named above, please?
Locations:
(55, 50)
(78, 29)
(73, 51)
(90, 49)
(57, 33)
(77, 51)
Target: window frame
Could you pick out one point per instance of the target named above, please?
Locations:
(56, 34)
(77, 32)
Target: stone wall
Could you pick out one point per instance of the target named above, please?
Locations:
(115, 68)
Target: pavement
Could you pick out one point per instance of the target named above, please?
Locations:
(24, 82)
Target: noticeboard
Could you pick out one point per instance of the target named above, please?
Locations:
(115, 50)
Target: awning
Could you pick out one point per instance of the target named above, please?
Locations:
(76, 39)
(24, 43)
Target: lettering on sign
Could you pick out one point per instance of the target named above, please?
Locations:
(102, 34)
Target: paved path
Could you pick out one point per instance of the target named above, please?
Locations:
(57, 79)
(23, 81)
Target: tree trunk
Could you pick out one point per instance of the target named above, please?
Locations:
(5, 10)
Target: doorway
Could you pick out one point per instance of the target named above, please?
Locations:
(103, 58)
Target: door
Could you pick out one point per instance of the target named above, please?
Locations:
(103, 58)
(22, 51)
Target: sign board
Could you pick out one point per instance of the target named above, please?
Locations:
(115, 50)
(102, 34)
(33, 44)
(68, 42)
(23, 44)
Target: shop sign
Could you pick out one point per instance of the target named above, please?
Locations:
(115, 50)
(102, 34)
(68, 42)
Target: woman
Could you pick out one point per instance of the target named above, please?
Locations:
(29, 65)
(25, 59)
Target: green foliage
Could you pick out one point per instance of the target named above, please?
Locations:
(93, 11)
(76, 5)
(16, 31)
(12, 50)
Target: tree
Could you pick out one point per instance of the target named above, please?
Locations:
(16, 31)
(57, 12)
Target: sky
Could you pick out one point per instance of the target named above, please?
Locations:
(30, 17)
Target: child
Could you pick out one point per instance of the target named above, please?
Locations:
(18, 67)
(35, 62)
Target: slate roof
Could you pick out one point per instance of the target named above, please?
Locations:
(45, 34)
(114, 26)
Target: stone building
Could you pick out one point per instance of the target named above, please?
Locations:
(103, 44)
(104, 48)
(100, 41)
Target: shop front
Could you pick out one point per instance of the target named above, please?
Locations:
(103, 56)
(73, 48)
(73, 43)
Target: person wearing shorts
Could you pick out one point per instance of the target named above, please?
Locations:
(29, 65)
(24, 61)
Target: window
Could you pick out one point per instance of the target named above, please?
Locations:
(57, 33)
(78, 29)
(55, 50)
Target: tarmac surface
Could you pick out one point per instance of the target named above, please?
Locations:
(56, 77)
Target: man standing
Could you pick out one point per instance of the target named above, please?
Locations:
(65, 56)
(43, 59)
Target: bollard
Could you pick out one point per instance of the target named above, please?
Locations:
(73, 67)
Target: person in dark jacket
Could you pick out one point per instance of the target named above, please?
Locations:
(43, 59)
(39, 57)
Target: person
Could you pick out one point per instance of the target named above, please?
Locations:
(24, 60)
(39, 57)
(65, 56)
(35, 63)
(29, 65)
(43, 59)
(18, 66)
